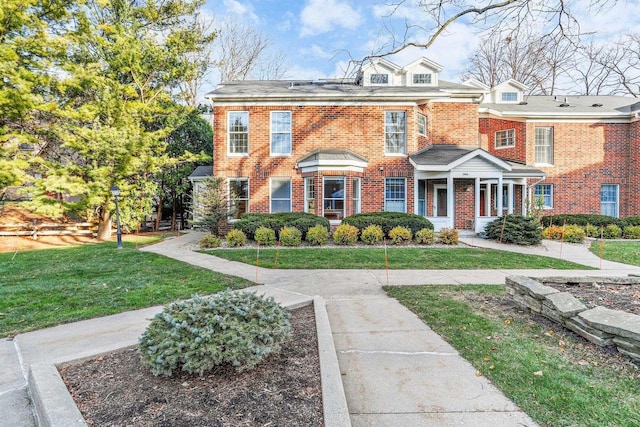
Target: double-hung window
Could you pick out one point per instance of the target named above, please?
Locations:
(505, 138)
(309, 194)
(280, 195)
(421, 79)
(238, 132)
(543, 147)
(395, 132)
(543, 193)
(239, 196)
(422, 125)
(280, 132)
(395, 195)
(379, 79)
(609, 200)
(509, 97)
(333, 197)
(355, 195)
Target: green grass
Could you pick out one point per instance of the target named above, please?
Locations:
(510, 351)
(624, 252)
(47, 287)
(399, 259)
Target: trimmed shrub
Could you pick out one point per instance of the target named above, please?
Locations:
(372, 235)
(198, 334)
(581, 219)
(592, 231)
(290, 236)
(632, 232)
(424, 236)
(554, 232)
(210, 241)
(632, 220)
(448, 236)
(250, 222)
(400, 235)
(388, 220)
(236, 238)
(265, 236)
(345, 234)
(574, 234)
(518, 230)
(612, 232)
(317, 235)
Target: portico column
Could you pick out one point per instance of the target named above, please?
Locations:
(487, 199)
(450, 200)
(499, 197)
(510, 198)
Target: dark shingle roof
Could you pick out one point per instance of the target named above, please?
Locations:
(202, 172)
(440, 155)
(330, 154)
(550, 106)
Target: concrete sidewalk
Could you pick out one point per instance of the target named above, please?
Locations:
(396, 370)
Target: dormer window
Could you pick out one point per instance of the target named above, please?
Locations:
(509, 97)
(379, 79)
(422, 79)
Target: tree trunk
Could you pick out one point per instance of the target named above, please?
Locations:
(104, 224)
(174, 212)
(158, 214)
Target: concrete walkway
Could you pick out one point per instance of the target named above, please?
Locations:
(396, 370)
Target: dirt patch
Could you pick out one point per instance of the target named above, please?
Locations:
(613, 296)
(117, 390)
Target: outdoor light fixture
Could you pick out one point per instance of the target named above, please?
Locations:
(116, 192)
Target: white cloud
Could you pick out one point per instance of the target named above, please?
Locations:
(318, 52)
(240, 9)
(321, 16)
(298, 72)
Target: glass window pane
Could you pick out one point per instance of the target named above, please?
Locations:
(281, 189)
(394, 195)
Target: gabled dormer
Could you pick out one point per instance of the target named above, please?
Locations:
(422, 72)
(380, 72)
(509, 92)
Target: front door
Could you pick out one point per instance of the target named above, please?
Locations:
(483, 210)
(440, 201)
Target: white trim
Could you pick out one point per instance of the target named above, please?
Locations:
(418, 116)
(434, 202)
(495, 139)
(471, 155)
(384, 136)
(271, 132)
(304, 189)
(239, 178)
(271, 199)
(404, 179)
(241, 154)
(359, 204)
(344, 196)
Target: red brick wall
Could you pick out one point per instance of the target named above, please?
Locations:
(464, 203)
(453, 123)
(488, 128)
(633, 194)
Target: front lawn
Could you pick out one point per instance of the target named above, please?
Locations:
(555, 377)
(399, 259)
(624, 252)
(47, 287)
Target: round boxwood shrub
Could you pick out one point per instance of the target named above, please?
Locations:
(265, 236)
(388, 220)
(448, 236)
(516, 229)
(345, 234)
(236, 238)
(290, 236)
(210, 241)
(317, 235)
(424, 237)
(574, 234)
(592, 231)
(198, 334)
(612, 231)
(400, 235)
(372, 235)
(632, 232)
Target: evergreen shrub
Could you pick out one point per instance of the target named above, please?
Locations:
(448, 236)
(581, 219)
(574, 234)
(372, 235)
(518, 229)
(210, 241)
(198, 334)
(290, 236)
(236, 238)
(400, 235)
(317, 235)
(632, 232)
(265, 236)
(345, 234)
(424, 236)
(250, 222)
(612, 231)
(592, 231)
(388, 220)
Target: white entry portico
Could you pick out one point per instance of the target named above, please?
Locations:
(467, 187)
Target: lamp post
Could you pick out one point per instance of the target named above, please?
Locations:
(116, 192)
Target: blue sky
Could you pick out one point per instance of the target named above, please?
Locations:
(319, 36)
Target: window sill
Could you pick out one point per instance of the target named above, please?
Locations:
(280, 155)
(395, 155)
(506, 146)
(237, 154)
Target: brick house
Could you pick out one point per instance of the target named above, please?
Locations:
(400, 139)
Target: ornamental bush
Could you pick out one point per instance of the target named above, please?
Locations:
(448, 236)
(250, 222)
(424, 237)
(388, 220)
(290, 236)
(400, 235)
(265, 236)
(372, 235)
(198, 334)
(554, 232)
(236, 238)
(574, 234)
(209, 241)
(592, 231)
(516, 229)
(632, 232)
(581, 219)
(612, 232)
(345, 234)
(317, 235)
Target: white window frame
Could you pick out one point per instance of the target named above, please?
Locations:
(548, 146)
(274, 199)
(388, 200)
(326, 199)
(509, 93)
(383, 76)
(231, 132)
(275, 131)
(615, 203)
(309, 189)
(232, 200)
(422, 124)
(403, 133)
(356, 194)
(543, 195)
(422, 78)
(509, 135)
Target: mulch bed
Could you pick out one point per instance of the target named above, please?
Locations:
(115, 389)
(613, 296)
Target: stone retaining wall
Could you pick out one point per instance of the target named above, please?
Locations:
(599, 325)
